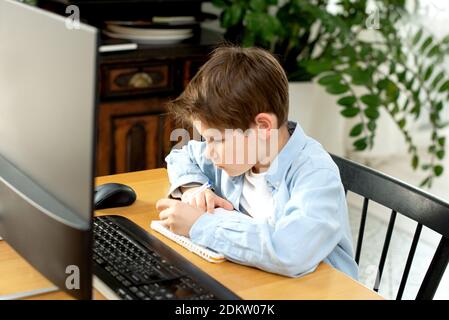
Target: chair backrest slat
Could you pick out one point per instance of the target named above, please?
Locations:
(435, 271)
(408, 264)
(361, 230)
(383, 256)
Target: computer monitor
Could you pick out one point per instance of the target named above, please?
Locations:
(48, 89)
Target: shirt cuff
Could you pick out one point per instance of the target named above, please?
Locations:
(177, 194)
(184, 180)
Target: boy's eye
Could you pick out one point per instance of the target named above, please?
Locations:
(213, 140)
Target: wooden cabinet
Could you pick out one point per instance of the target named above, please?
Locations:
(133, 131)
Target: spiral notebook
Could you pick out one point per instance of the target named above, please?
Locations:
(205, 253)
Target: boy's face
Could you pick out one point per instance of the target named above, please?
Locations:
(234, 150)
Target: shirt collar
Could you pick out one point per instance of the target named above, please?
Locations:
(288, 153)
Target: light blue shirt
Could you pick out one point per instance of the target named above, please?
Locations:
(310, 224)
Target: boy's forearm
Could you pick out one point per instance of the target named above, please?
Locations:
(186, 167)
(245, 240)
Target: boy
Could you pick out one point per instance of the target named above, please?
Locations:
(285, 204)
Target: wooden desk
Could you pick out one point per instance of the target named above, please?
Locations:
(249, 283)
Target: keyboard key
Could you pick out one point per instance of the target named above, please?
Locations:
(169, 295)
(121, 292)
(126, 283)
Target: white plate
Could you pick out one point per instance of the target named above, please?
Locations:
(150, 39)
(175, 19)
(134, 31)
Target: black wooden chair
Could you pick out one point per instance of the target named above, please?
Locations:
(409, 201)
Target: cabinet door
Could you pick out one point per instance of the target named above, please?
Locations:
(136, 143)
(133, 135)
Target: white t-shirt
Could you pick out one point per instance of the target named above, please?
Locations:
(256, 198)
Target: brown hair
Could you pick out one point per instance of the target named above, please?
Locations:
(232, 87)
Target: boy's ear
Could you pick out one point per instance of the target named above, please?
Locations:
(267, 122)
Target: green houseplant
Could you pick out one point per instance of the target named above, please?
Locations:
(387, 70)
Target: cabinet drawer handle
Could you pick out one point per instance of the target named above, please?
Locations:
(141, 80)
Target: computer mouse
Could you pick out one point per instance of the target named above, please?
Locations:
(110, 195)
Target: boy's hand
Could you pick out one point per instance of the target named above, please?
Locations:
(178, 216)
(206, 200)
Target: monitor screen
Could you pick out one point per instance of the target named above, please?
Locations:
(47, 127)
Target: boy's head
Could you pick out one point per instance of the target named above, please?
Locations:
(237, 88)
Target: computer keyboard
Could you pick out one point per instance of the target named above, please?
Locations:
(136, 265)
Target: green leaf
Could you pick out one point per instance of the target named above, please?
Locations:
(438, 170)
(372, 113)
(426, 43)
(444, 86)
(416, 110)
(219, 3)
(392, 68)
(426, 181)
(330, 79)
(406, 103)
(382, 84)
(249, 39)
(356, 130)
(441, 125)
(441, 141)
(347, 101)
(440, 154)
(395, 109)
(349, 52)
(437, 78)
(401, 76)
(359, 76)
(428, 73)
(434, 51)
(392, 91)
(258, 5)
(402, 123)
(337, 88)
(415, 162)
(316, 67)
(350, 112)
(371, 100)
(232, 15)
(264, 26)
(445, 39)
(409, 84)
(360, 144)
(417, 37)
(371, 125)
